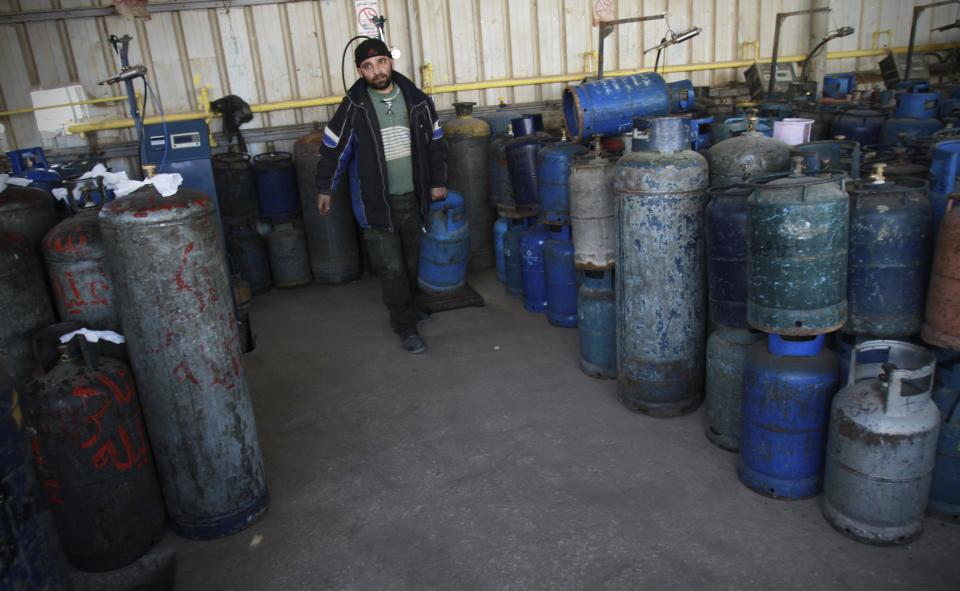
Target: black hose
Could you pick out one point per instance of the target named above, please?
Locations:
(343, 59)
(810, 56)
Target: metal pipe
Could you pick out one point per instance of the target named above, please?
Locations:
(782, 16)
(106, 99)
(917, 11)
(506, 83)
(606, 28)
(39, 16)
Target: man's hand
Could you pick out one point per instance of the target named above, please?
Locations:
(438, 193)
(323, 204)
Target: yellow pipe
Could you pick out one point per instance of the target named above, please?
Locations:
(427, 72)
(108, 99)
(298, 104)
(426, 76)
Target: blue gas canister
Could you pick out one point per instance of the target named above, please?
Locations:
(561, 278)
(276, 186)
(945, 491)
(597, 324)
(512, 255)
(839, 85)
(553, 176)
(31, 163)
(445, 247)
(859, 125)
(499, 230)
(944, 168)
(788, 384)
(914, 116)
(532, 269)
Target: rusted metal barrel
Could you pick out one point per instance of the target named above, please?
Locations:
(468, 158)
(661, 311)
(175, 307)
(942, 326)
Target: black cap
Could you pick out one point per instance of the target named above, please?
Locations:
(371, 47)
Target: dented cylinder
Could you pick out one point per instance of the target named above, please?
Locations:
(882, 445)
(660, 269)
(592, 222)
(174, 299)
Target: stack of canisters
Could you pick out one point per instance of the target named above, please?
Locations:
(518, 207)
(796, 293)
(333, 238)
(594, 235)
(280, 210)
(560, 281)
(236, 187)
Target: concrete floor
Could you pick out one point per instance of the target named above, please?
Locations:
(492, 462)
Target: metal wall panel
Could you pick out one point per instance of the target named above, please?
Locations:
(292, 50)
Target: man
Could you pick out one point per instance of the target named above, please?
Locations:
(390, 129)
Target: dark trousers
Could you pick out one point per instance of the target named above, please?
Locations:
(395, 257)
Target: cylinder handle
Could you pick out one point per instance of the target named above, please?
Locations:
(900, 385)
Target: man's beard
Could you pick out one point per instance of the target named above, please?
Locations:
(380, 84)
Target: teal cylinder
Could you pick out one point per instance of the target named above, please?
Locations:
(798, 229)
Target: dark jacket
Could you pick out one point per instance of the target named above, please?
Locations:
(354, 134)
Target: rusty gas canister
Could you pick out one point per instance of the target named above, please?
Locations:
(91, 452)
(173, 294)
(942, 326)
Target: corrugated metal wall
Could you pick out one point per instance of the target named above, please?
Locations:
(292, 50)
